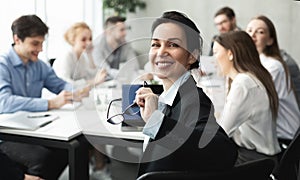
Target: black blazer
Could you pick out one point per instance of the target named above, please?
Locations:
(189, 138)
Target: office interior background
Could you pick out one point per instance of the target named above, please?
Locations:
(61, 14)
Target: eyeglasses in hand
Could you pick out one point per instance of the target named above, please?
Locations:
(131, 110)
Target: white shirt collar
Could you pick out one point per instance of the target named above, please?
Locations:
(263, 57)
(167, 97)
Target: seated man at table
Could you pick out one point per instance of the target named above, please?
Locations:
(225, 21)
(22, 77)
(112, 52)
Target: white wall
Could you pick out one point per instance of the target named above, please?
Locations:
(9, 12)
(57, 14)
(61, 14)
(285, 14)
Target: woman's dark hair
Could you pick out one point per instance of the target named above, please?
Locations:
(194, 40)
(273, 49)
(246, 59)
(29, 26)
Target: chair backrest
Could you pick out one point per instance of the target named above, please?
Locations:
(258, 170)
(288, 166)
(51, 61)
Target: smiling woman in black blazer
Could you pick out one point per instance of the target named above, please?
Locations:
(183, 133)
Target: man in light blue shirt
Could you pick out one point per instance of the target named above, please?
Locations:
(22, 77)
(22, 81)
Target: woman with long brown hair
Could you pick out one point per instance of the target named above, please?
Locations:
(250, 111)
(263, 33)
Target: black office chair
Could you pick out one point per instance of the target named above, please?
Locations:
(254, 170)
(288, 167)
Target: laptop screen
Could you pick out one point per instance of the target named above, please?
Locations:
(128, 96)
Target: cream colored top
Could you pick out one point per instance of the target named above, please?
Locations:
(247, 117)
(74, 70)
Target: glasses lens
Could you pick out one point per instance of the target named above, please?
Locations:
(115, 107)
(116, 119)
(132, 109)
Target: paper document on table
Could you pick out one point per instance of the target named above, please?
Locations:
(26, 120)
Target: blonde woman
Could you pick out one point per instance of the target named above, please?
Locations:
(76, 65)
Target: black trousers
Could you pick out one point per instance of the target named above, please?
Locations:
(9, 169)
(47, 163)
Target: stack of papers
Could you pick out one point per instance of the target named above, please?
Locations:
(26, 120)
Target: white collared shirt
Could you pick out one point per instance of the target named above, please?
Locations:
(288, 119)
(167, 98)
(247, 116)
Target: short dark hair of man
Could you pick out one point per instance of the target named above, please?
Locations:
(114, 20)
(29, 26)
(227, 11)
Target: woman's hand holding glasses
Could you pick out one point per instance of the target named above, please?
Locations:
(147, 101)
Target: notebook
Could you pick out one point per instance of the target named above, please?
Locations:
(134, 122)
(26, 120)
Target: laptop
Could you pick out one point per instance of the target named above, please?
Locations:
(134, 122)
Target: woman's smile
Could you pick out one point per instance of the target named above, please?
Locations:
(164, 64)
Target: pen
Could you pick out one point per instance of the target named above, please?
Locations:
(145, 83)
(38, 115)
(46, 123)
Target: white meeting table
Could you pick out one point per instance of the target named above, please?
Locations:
(92, 121)
(63, 133)
(75, 131)
(98, 132)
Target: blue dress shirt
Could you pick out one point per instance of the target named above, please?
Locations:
(21, 84)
